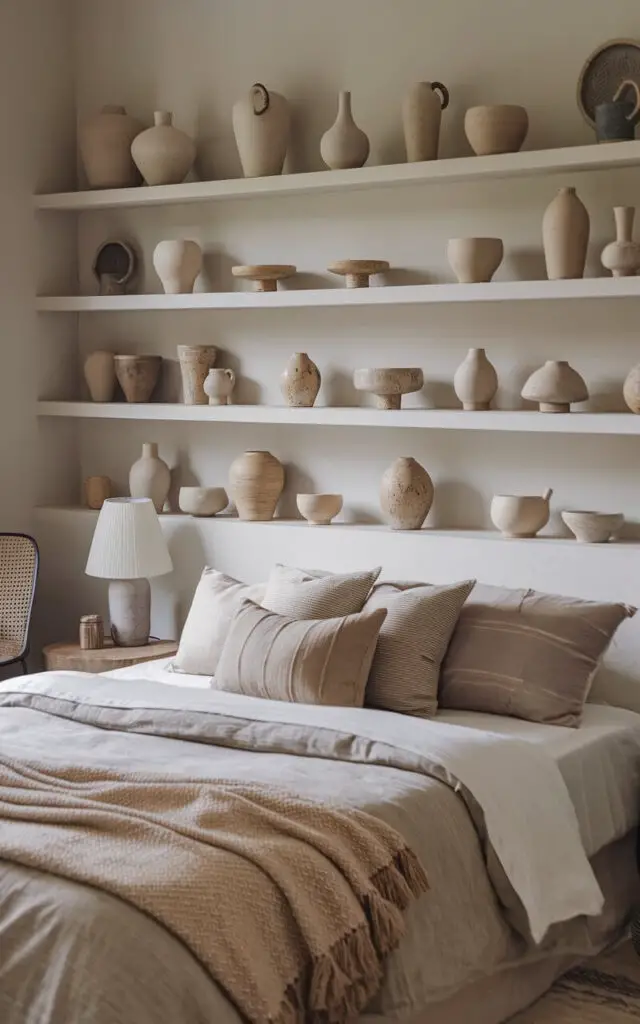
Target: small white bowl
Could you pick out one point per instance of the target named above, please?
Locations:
(202, 501)
(319, 509)
(593, 527)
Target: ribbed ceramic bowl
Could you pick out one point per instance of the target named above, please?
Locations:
(593, 527)
(319, 509)
(202, 501)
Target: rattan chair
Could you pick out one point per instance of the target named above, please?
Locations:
(19, 560)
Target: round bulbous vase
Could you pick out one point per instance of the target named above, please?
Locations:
(177, 263)
(475, 381)
(100, 375)
(261, 125)
(300, 381)
(344, 144)
(150, 477)
(163, 154)
(622, 257)
(565, 234)
(631, 389)
(406, 494)
(256, 481)
(195, 363)
(219, 385)
(105, 148)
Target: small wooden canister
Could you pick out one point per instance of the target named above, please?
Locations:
(96, 490)
(91, 633)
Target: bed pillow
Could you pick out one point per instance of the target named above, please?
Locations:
(527, 654)
(215, 603)
(306, 661)
(412, 644)
(311, 594)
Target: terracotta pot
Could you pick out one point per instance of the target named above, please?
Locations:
(195, 363)
(421, 116)
(565, 234)
(261, 124)
(163, 154)
(219, 385)
(100, 375)
(138, 376)
(474, 260)
(105, 148)
(406, 494)
(555, 387)
(475, 381)
(622, 257)
(344, 145)
(300, 382)
(631, 389)
(496, 129)
(96, 491)
(177, 263)
(150, 477)
(520, 515)
(256, 480)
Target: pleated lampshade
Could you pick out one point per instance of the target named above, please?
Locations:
(128, 543)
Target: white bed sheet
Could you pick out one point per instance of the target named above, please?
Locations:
(599, 762)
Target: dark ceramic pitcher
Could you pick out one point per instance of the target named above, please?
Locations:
(616, 121)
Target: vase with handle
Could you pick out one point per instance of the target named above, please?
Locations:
(565, 234)
(475, 381)
(261, 125)
(622, 257)
(256, 480)
(421, 118)
(150, 477)
(344, 144)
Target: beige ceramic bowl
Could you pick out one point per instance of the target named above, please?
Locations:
(593, 527)
(388, 384)
(518, 515)
(319, 509)
(475, 260)
(202, 501)
(497, 129)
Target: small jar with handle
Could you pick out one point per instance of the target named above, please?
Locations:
(219, 385)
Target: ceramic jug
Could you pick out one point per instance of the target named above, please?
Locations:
(421, 116)
(261, 122)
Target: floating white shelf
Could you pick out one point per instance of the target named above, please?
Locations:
(529, 163)
(612, 423)
(398, 295)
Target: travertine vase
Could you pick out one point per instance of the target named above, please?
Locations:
(406, 494)
(256, 480)
(300, 382)
(195, 363)
(150, 477)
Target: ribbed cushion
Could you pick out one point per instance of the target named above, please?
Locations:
(527, 654)
(311, 594)
(215, 603)
(412, 644)
(318, 661)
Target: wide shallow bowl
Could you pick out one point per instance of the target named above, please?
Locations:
(593, 527)
(496, 129)
(319, 509)
(202, 501)
(518, 515)
(388, 384)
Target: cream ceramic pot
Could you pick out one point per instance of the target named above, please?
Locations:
(219, 385)
(520, 515)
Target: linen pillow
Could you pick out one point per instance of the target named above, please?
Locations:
(215, 602)
(412, 644)
(527, 654)
(306, 661)
(311, 594)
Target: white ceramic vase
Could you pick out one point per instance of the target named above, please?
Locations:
(300, 381)
(177, 263)
(406, 494)
(256, 480)
(475, 382)
(261, 125)
(344, 144)
(622, 257)
(105, 148)
(421, 117)
(219, 385)
(163, 154)
(150, 477)
(565, 234)
(100, 375)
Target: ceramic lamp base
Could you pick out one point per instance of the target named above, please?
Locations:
(130, 612)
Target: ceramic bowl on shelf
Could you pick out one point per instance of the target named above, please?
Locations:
(388, 384)
(593, 527)
(496, 129)
(202, 501)
(319, 509)
(474, 260)
(520, 515)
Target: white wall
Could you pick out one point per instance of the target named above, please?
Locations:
(196, 57)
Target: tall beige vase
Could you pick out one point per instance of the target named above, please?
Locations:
(475, 381)
(150, 477)
(421, 117)
(105, 148)
(100, 375)
(256, 480)
(300, 381)
(565, 234)
(163, 154)
(344, 144)
(195, 363)
(406, 494)
(261, 124)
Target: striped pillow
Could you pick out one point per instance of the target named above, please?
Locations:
(312, 594)
(412, 644)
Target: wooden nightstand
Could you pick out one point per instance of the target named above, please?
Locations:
(71, 658)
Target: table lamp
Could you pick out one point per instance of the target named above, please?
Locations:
(127, 548)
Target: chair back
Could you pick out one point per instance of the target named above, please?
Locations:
(18, 575)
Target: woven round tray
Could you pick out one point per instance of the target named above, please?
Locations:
(603, 72)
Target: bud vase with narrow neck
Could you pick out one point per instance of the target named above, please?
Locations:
(344, 145)
(150, 477)
(475, 381)
(622, 257)
(163, 154)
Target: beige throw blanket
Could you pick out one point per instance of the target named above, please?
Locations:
(291, 905)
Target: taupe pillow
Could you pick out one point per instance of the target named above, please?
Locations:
(311, 594)
(215, 603)
(527, 654)
(412, 644)
(317, 661)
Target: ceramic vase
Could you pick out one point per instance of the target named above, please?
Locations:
(195, 363)
(100, 375)
(177, 263)
(475, 260)
(163, 154)
(219, 385)
(96, 491)
(622, 257)
(105, 148)
(475, 381)
(256, 480)
(406, 494)
(300, 381)
(421, 117)
(138, 376)
(565, 234)
(261, 125)
(631, 389)
(150, 477)
(555, 387)
(344, 145)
